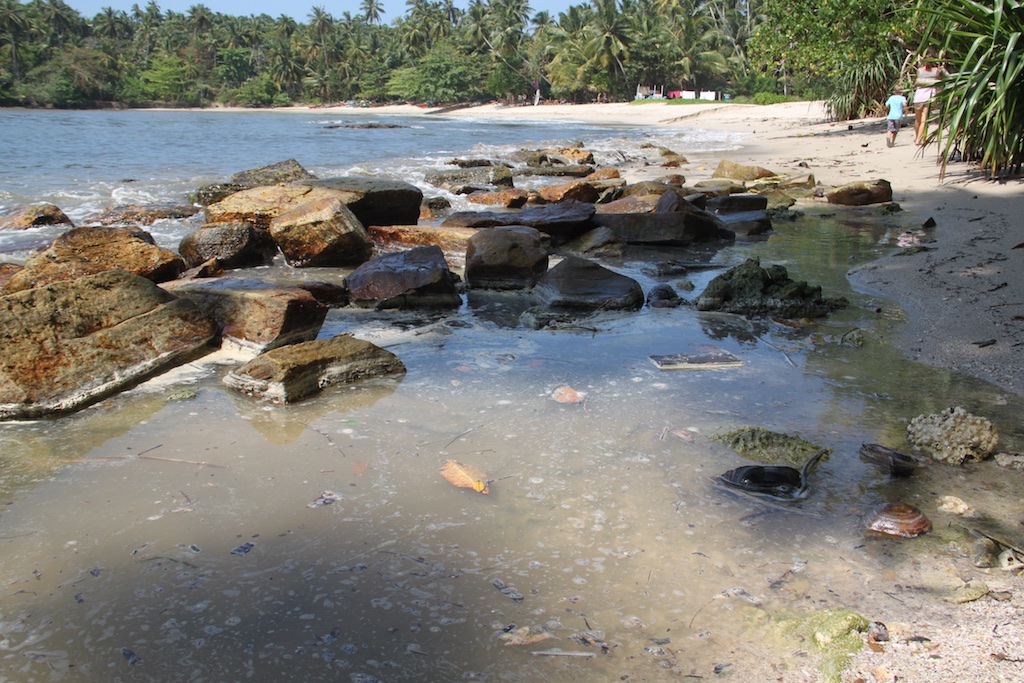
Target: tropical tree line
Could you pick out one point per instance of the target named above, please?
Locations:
(50, 55)
(850, 52)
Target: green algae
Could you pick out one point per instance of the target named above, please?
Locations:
(834, 633)
(764, 446)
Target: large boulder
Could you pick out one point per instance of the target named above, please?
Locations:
(417, 277)
(737, 203)
(89, 250)
(34, 216)
(374, 201)
(274, 174)
(579, 284)
(682, 226)
(255, 315)
(234, 245)
(563, 221)
(70, 343)
(861, 193)
(322, 232)
(143, 214)
(506, 258)
(452, 241)
(744, 172)
(295, 372)
(750, 290)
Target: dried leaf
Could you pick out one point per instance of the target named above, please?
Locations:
(464, 476)
(566, 394)
(524, 636)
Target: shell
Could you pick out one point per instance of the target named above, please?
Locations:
(899, 519)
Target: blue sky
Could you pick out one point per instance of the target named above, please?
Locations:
(298, 9)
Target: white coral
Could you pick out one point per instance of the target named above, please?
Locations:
(953, 436)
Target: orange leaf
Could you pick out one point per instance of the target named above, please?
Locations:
(464, 476)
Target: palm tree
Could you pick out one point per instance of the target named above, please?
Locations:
(609, 35)
(981, 102)
(111, 24)
(372, 11)
(200, 18)
(13, 23)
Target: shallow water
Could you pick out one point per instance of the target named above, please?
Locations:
(119, 522)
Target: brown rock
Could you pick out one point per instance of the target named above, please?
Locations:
(604, 174)
(449, 240)
(596, 243)
(33, 217)
(143, 214)
(90, 250)
(580, 190)
(510, 198)
(861, 193)
(576, 283)
(562, 221)
(70, 343)
(255, 315)
(295, 372)
(735, 171)
(7, 271)
(322, 232)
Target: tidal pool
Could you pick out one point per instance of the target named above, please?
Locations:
(173, 533)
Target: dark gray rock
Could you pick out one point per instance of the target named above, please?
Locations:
(583, 285)
(414, 278)
(737, 203)
(679, 228)
(505, 258)
(562, 221)
(748, 223)
(486, 176)
(234, 245)
(375, 201)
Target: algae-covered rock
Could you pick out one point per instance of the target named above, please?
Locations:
(764, 446)
(748, 289)
(834, 633)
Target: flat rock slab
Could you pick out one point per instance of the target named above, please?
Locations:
(292, 373)
(255, 315)
(90, 250)
(70, 343)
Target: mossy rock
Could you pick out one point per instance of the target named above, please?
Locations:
(767, 447)
(834, 633)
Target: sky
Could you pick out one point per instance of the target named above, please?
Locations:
(297, 9)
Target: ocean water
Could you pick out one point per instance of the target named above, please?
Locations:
(88, 161)
(173, 532)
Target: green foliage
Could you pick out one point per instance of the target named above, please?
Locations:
(443, 75)
(864, 85)
(258, 91)
(981, 102)
(235, 65)
(765, 98)
(166, 80)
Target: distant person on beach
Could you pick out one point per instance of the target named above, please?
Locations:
(929, 73)
(897, 104)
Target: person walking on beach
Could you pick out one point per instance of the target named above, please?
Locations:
(897, 104)
(929, 72)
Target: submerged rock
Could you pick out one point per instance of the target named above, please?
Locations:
(861, 193)
(34, 216)
(71, 343)
(295, 372)
(751, 290)
(765, 446)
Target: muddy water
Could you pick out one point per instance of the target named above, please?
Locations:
(174, 535)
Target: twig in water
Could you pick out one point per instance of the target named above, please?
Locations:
(151, 448)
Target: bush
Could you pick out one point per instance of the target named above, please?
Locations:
(764, 98)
